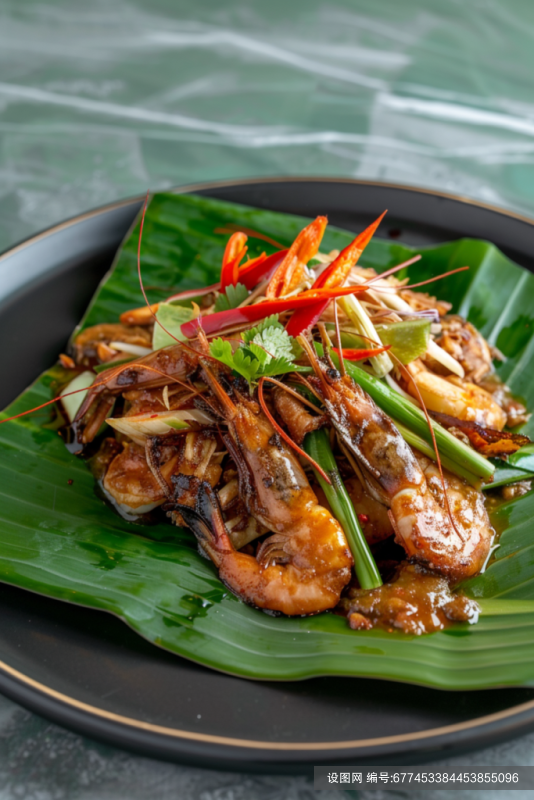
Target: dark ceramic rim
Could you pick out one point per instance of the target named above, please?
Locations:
(148, 736)
(196, 187)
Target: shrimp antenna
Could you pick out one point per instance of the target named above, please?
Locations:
(94, 385)
(327, 344)
(141, 226)
(232, 227)
(338, 337)
(287, 438)
(179, 341)
(304, 343)
(413, 285)
(301, 379)
(409, 377)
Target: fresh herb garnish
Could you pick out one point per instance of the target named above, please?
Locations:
(232, 298)
(266, 350)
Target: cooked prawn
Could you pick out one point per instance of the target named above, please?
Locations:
(456, 397)
(88, 342)
(170, 364)
(129, 482)
(416, 502)
(467, 345)
(304, 565)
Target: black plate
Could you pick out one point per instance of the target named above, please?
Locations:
(88, 671)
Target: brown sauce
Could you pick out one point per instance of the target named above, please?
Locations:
(415, 601)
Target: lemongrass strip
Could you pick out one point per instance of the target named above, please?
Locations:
(393, 301)
(441, 355)
(382, 364)
(413, 418)
(134, 349)
(397, 303)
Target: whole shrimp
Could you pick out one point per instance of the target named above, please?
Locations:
(304, 565)
(418, 508)
(156, 369)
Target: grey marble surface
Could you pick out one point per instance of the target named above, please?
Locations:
(102, 100)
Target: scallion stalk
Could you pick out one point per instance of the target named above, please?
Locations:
(382, 364)
(428, 450)
(414, 420)
(317, 445)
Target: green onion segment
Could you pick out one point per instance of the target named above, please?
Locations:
(317, 445)
(402, 410)
(428, 450)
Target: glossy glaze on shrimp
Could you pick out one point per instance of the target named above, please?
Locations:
(456, 397)
(304, 565)
(417, 505)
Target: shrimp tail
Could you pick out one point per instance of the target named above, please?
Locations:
(206, 522)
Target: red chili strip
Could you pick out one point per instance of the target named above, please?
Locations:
(352, 354)
(261, 268)
(337, 272)
(212, 323)
(334, 275)
(305, 318)
(291, 270)
(234, 252)
(250, 274)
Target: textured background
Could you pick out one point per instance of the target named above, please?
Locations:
(102, 100)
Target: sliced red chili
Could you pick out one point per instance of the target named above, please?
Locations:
(234, 252)
(337, 272)
(352, 354)
(334, 275)
(211, 323)
(291, 271)
(259, 269)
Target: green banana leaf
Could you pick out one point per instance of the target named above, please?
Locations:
(57, 537)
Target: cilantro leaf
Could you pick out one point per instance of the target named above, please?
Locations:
(232, 298)
(244, 364)
(222, 351)
(276, 342)
(278, 366)
(258, 352)
(266, 350)
(247, 366)
(268, 322)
